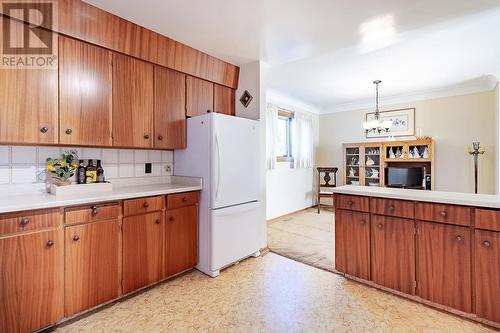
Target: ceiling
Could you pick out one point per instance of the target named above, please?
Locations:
(327, 52)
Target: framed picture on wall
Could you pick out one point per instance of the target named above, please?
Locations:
(403, 122)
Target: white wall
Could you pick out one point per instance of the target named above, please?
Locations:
(288, 189)
(453, 122)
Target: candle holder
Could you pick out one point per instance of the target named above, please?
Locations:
(475, 150)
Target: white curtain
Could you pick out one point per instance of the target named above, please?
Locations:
(302, 140)
(271, 133)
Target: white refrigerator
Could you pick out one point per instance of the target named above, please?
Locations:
(224, 151)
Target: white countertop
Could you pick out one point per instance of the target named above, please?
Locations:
(38, 198)
(453, 198)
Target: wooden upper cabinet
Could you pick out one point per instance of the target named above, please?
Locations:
(224, 100)
(91, 261)
(444, 265)
(487, 273)
(199, 96)
(352, 243)
(393, 253)
(132, 102)
(142, 250)
(31, 282)
(85, 93)
(169, 109)
(181, 239)
(28, 99)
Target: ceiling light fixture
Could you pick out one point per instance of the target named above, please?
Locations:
(376, 125)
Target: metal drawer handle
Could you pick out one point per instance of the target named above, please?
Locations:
(146, 205)
(459, 238)
(443, 213)
(94, 210)
(350, 203)
(44, 129)
(76, 238)
(146, 136)
(50, 243)
(157, 221)
(160, 137)
(171, 219)
(487, 244)
(362, 222)
(380, 225)
(69, 131)
(24, 221)
(184, 199)
(391, 208)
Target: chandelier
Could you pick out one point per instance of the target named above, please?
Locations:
(376, 125)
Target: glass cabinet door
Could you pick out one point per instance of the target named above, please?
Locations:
(372, 166)
(352, 160)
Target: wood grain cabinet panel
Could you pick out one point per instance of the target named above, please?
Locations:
(85, 85)
(389, 207)
(132, 102)
(28, 102)
(169, 109)
(352, 243)
(181, 239)
(142, 250)
(93, 213)
(444, 265)
(182, 199)
(393, 253)
(92, 265)
(352, 202)
(31, 281)
(224, 100)
(143, 205)
(28, 221)
(199, 96)
(488, 219)
(443, 213)
(487, 274)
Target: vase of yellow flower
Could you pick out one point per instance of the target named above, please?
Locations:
(60, 171)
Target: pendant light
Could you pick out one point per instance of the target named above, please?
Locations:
(376, 125)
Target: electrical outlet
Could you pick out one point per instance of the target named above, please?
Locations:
(147, 168)
(168, 168)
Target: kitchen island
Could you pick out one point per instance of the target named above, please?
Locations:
(438, 248)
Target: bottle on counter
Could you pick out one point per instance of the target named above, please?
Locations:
(81, 173)
(91, 173)
(100, 172)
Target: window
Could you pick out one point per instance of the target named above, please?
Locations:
(284, 136)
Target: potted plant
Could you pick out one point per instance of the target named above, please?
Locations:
(60, 171)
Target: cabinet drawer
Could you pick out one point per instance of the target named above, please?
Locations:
(488, 219)
(91, 213)
(182, 199)
(443, 213)
(398, 208)
(352, 202)
(143, 205)
(30, 220)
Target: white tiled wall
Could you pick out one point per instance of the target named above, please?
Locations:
(24, 165)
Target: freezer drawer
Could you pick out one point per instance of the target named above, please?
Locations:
(236, 233)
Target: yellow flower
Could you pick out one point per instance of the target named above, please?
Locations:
(74, 165)
(50, 167)
(63, 164)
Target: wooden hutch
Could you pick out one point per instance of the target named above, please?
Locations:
(365, 163)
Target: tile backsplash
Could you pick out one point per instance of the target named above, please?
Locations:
(25, 165)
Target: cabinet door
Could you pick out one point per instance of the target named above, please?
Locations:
(181, 239)
(132, 102)
(85, 93)
(444, 267)
(91, 261)
(142, 250)
(393, 253)
(31, 281)
(352, 243)
(224, 100)
(169, 109)
(487, 270)
(28, 102)
(199, 96)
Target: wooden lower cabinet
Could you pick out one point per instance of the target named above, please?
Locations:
(487, 272)
(352, 245)
(142, 250)
(393, 253)
(444, 265)
(31, 281)
(181, 238)
(92, 265)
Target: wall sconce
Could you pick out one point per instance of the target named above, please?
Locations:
(475, 150)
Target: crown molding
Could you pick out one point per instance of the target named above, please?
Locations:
(485, 83)
(284, 100)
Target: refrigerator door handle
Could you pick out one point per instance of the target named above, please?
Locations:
(218, 167)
